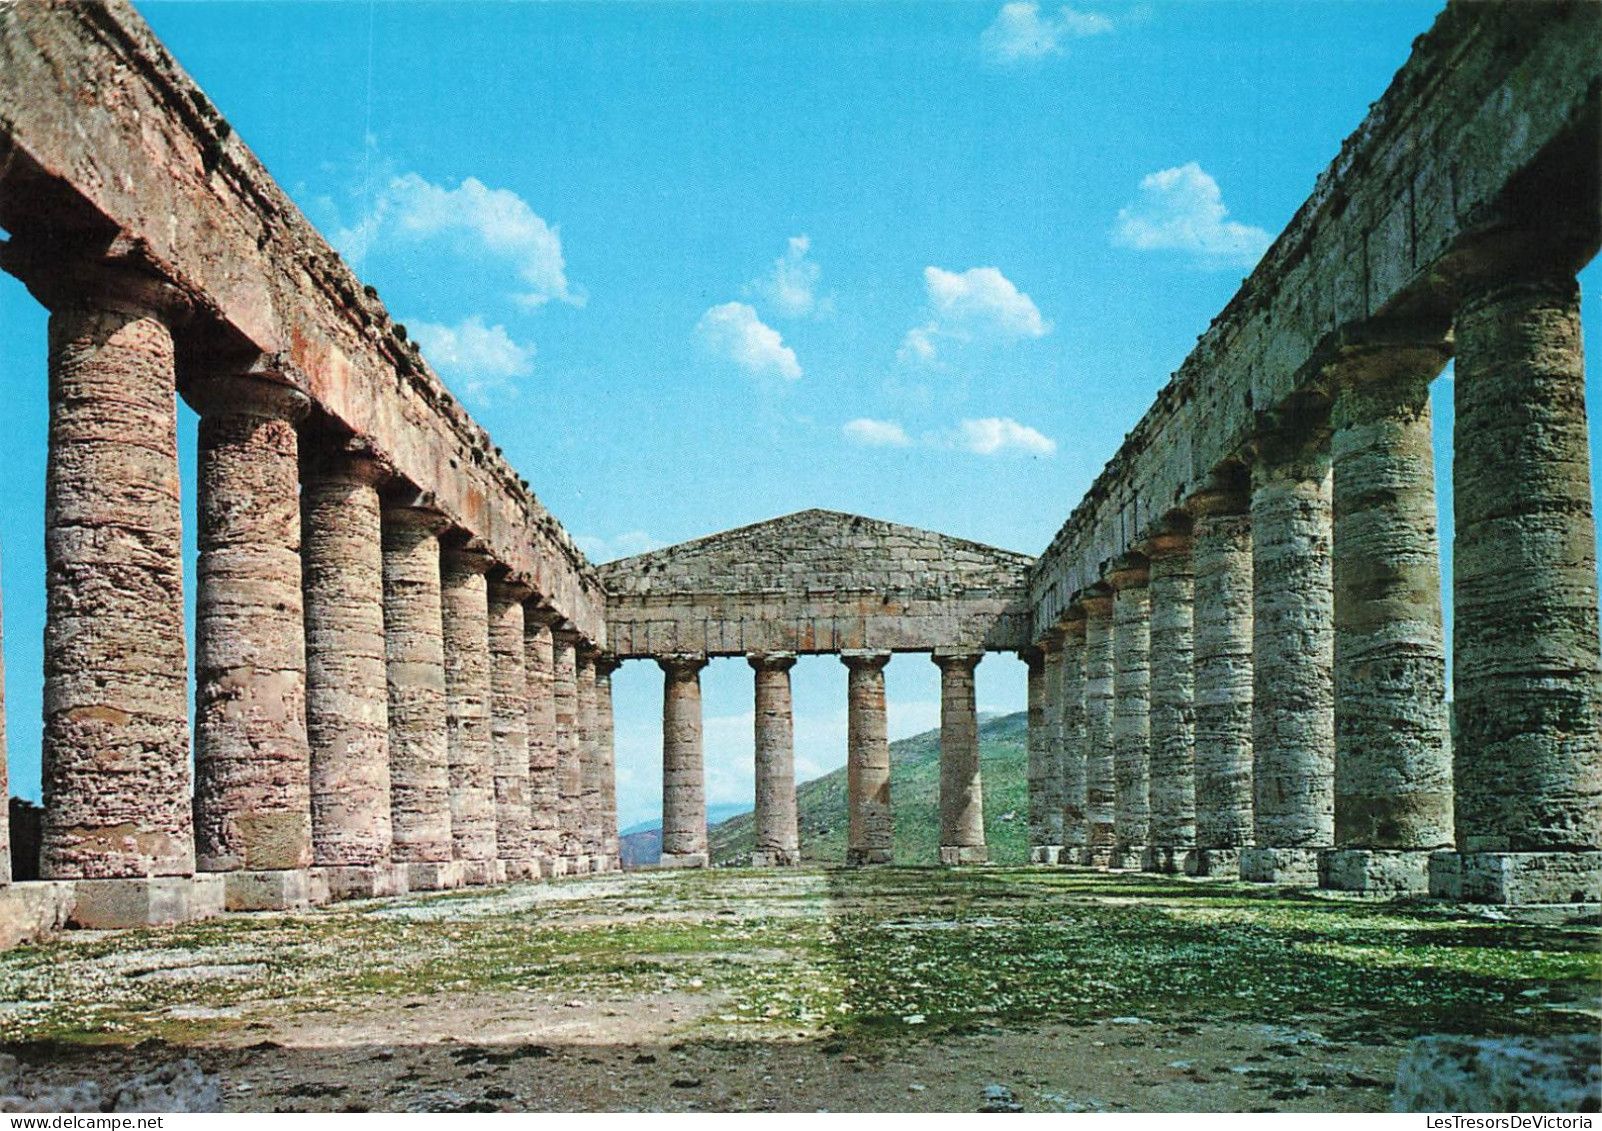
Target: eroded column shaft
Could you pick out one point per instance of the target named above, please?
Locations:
(962, 810)
(5, 788)
(867, 760)
(1036, 743)
(569, 766)
(116, 713)
(606, 753)
(684, 840)
(544, 788)
(778, 834)
(1071, 668)
(509, 727)
(1131, 715)
(589, 761)
(1172, 834)
(347, 698)
(1099, 838)
(464, 606)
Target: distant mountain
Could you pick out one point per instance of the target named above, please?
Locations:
(640, 845)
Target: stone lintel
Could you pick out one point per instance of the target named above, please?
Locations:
(1373, 871)
(1293, 867)
(286, 889)
(685, 860)
(1517, 877)
(954, 854)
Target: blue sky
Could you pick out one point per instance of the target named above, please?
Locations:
(700, 265)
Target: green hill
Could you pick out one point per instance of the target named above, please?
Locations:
(914, 802)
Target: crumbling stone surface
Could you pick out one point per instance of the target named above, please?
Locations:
(868, 838)
(569, 766)
(544, 789)
(178, 1087)
(464, 604)
(683, 773)
(606, 754)
(778, 835)
(509, 689)
(962, 809)
(1501, 1074)
(1131, 712)
(1099, 777)
(1173, 769)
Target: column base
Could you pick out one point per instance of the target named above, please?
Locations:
(477, 873)
(432, 875)
(954, 854)
(1517, 877)
(361, 881)
(1127, 857)
(151, 901)
(287, 889)
(521, 871)
(1292, 867)
(775, 858)
(1046, 854)
(552, 867)
(685, 860)
(31, 910)
(1167, 859)
(1214, 863)
(1375, 871)
(1095, 856)
(861, 857)
(577, 865)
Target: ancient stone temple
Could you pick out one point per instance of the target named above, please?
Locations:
(1235, 643)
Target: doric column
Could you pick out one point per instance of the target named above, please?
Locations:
(569, 764)
(1099, 668)
(1037, 746)
(252, 759)
(1393, 768)
(414, 652)
(589, 761)
(1071, 724)
(778, 834)
(1131, 710)
(1528, 766)
(962, 808)
(1172, 834)
(868, 837)
(1293, 702)
(606, 753)
(347, 697)
(1221, 554)
(544, 786)
(464, 608)
(116, 712)
(684, 841)
(509, 727)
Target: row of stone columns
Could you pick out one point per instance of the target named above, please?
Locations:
(378, 706)
(1260, 690)
(777, 834)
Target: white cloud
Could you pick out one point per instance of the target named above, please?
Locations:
(792, 284)
(996, 435)
(919, 344)
(498, 221)
(483, 359)
(977, 304)
(1182, 209)
(734, 331)
(877, 433)
(599, 549)
(1019, 35)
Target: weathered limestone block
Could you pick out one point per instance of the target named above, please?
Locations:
(347, 697)
(38, 910)
(1054, 749)
(414, 650)
(684, 840)
(778, 834)
(1501, 1074)
(252, 760)
(569, 766)
(1293, 707)
(1172, 834)
(116, 711)
(1099, 780)
(1528, 694)
(464, 607)
(1221, 553)
(589, 762)
(868, 838)
(1037, 744)
(1131, 710)
(606, 752)
(509, 727)
(962, 810)
(1071, 725)
(544, 789)
(1393, 776)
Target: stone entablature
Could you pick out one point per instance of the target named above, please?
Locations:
(815, 582)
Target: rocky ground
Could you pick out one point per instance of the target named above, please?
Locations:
(900, 989)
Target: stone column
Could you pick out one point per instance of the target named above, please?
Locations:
(1038, 745)
(962, 808)
(116, 714)
(1131, 710)
(509, 727)
(684, 843)
(569, 764)
(606, 753)
(1293, 702)
(1172, 835)
(5, 788)
(1071, 669)
(544, 786)
(252, 758)
(347, 697)
(1528, 767)
(1099, 668)
(778, 834)
(1393, 769)
(589, 762)
(1221, 553)
(464, 607)
(869, 833)
(414, 653)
